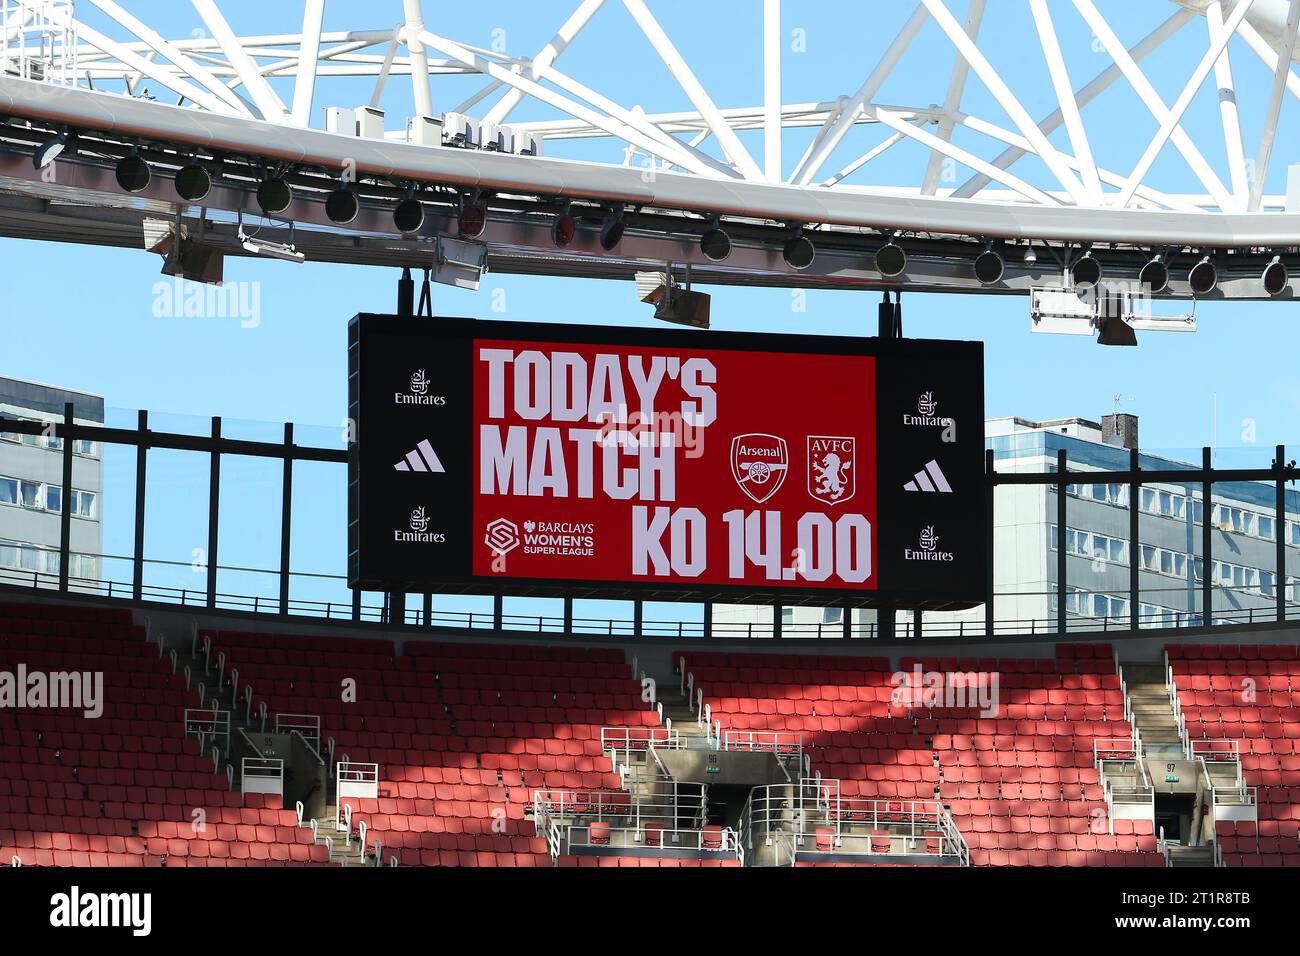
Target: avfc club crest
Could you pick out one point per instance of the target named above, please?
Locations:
(759, 463)
(831, 468)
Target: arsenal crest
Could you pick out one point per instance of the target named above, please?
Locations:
(831, 468)
(759, 463)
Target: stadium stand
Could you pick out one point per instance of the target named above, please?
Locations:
(465, 735)
(125, 788)
(1238, 706)
(1022, 788)
(530, 756)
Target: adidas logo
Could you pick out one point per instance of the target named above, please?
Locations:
(929, 479)
(423, 459)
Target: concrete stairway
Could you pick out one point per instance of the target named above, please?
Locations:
(1153, 711)
(1191, 856)
(678, 709)
(343, 855)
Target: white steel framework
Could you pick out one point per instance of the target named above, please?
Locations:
(101, 70)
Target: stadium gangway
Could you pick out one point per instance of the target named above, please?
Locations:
(809, 819)
(639, 819)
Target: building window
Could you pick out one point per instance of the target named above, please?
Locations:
(29, 495)
(53, 498)
(83, 503)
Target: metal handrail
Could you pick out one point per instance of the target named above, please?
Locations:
(343, 610)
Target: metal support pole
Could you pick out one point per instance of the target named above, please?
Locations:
(778, 620)
(638, 617)
(891, 327)
(65, 514)
(1061, 569)
(406, 294)
(1207, 540)
(568, 615)
(1279, 533)
(990, 490)
(141, 467)
(1134, 544)
(708, 619)
(498, 612)
(214, 509)
(286, 517)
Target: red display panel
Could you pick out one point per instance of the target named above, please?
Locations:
(638, 464)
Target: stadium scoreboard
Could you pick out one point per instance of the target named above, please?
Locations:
(611, 462)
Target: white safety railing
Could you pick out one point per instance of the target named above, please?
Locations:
(812, 818)
(308, 725)
(208, 725)
(654, 812)
(1216, 751)
(355, 779)
(780, 742)
(262, 775)
(621, 743)
(1179, 717)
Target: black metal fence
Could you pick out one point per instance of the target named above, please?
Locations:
(391, 609)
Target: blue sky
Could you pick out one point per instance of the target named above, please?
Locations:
(83, 317)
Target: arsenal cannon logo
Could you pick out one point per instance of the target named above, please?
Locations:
(830, 468)
(759, 463)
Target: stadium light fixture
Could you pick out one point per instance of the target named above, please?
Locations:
(1203, 277)
(1086, 270)
(342, 206)
(1031, 256)
(50, 150)
(133, 173)
(563, 227)
(288, 251)
(473, 218)
(891, 260)
(408, 215)
(611, 233)
(1275, 277)
(715, 243)
(193, 182)
(274, 195)
(799, 251)
(989, 266)
(1112, 329)
(1154, 274)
